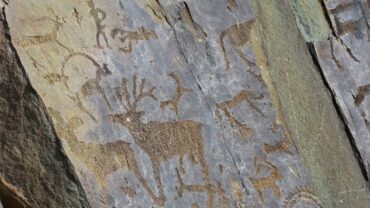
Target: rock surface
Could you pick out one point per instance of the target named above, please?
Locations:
(190, 103)
(35, 172)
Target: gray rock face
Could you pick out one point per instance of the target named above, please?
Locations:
(345, 62)
(163, 103)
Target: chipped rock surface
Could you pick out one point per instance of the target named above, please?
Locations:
(168, 103)
(345, 62)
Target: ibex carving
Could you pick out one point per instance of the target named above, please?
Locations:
(242, 96)
(160, 141)
(100, 159)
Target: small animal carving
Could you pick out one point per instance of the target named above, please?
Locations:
(128, 38)
(180, 91)
(160, 141)
(101, 159)
(262, 183)
(99, 16)
(242, 96)
(302, 195)
(27, 41)
(238, 36)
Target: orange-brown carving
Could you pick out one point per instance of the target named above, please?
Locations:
(101, 159)
(128, 38)
(27, 41)
(180, 91)
(99, 16)
(91, 86)
(362, 92)
(243, 96)
(267, 182)
(302, 195)
(160, 141)
(232, 5)
(239, 36)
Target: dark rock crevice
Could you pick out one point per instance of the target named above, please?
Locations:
(341, 116)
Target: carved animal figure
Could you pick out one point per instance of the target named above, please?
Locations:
(101, 159)
(130, 37)
(302, 195)
(27, 41)
(34, 40)
(160, 141)
(91, 86)
(260, 184)
(180, 91)
(242, 96)
(99, 16)
(281, 146)
(239, 36)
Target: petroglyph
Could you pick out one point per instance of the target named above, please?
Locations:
(180, 91)
(242, 96)
(90, 87)
(100, 159)
(302, 195)
(35, 40)
(232, 5)
(267, 182)
(282, 146)
(128, 38)
(27, 41)
(160, 141)
(238, 36)
(99, 16)
(362, 92)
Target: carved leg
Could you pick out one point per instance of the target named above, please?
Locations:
(157, 177)
(102, 93)
(222, 37)
(275, 190)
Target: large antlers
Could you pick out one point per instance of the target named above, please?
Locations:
(123, 93)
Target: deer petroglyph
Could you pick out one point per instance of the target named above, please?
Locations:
(161, 141)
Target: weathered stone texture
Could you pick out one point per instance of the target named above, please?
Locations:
(191, 103)
(35, 172)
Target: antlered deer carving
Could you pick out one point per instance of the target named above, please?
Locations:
(160, 141)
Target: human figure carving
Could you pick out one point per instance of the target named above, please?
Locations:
(180, 91)
(238, 36)
(130, 37)
(242, 96)
(160, 141)
(100, 159)
(99, 16)
(262, 183)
